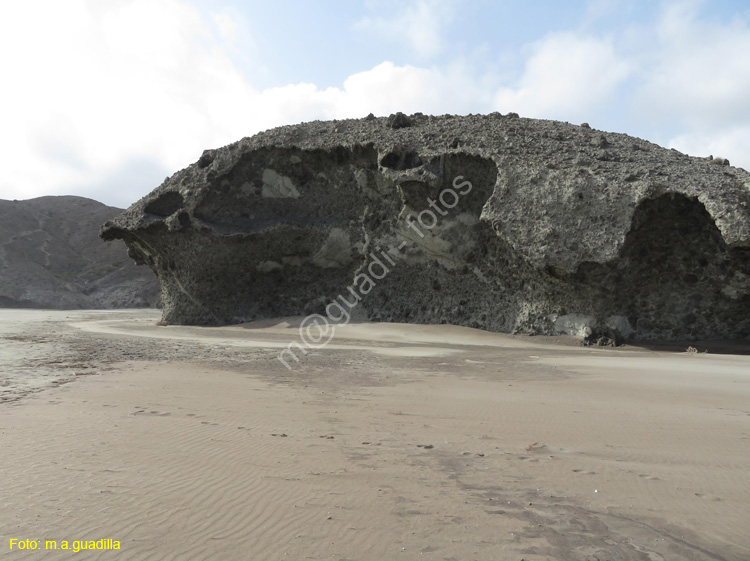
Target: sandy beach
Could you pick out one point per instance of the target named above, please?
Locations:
(393, 442)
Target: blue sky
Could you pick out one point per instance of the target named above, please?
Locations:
(104, 98)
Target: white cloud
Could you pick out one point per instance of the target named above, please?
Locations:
(697, 81)
(110, 86)
(106, 98)
(700, 74)
(382, 90)
(227, 25)
(732, 143)
(388, 88)
(419, 24)
(96, 84)
(566, 77)
(683, 80)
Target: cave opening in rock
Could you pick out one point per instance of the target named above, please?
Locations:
(671, 270)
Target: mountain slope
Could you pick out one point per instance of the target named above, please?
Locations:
(52, 257)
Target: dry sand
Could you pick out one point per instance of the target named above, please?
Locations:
(393, 443)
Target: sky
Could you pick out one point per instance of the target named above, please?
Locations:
(106, 98)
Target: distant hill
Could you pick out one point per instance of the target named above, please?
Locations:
(51, 256)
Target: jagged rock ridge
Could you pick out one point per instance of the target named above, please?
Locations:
(493, 221)
(51, 257)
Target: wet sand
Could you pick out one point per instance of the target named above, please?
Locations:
(392, 442)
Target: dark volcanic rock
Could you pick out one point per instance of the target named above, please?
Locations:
(51, 257)
(502, 223)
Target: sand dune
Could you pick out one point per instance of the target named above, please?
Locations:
(198, 444)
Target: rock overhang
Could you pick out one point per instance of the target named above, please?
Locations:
(556, 197)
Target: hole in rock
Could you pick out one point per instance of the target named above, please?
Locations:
(165, 204)
(401, 161)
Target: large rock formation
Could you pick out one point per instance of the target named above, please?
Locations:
(51, 257)
(497, 222)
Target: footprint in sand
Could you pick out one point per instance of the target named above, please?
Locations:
(708, 497)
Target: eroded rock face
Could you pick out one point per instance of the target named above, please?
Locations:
(497, 222)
